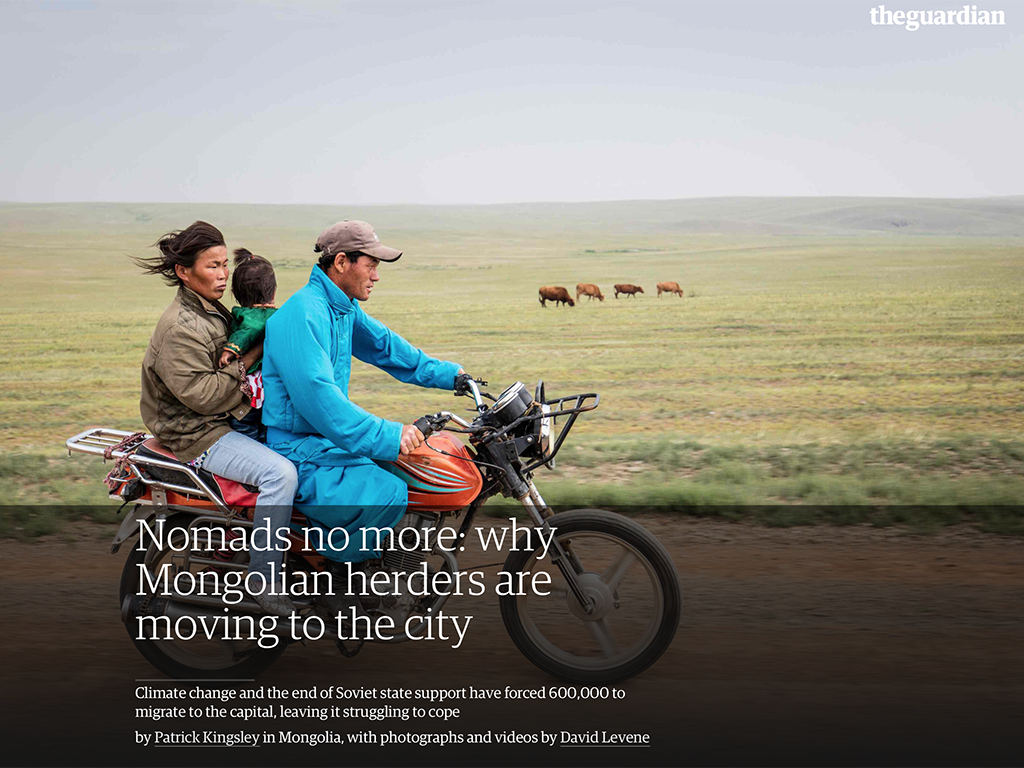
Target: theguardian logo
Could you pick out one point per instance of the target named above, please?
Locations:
(911, 21)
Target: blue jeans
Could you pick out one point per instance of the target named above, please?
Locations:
(240, 458)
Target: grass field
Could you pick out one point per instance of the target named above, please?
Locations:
(830, 367)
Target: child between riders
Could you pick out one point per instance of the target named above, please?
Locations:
(254, 287)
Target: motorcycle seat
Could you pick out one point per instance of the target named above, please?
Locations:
(152, 445)
(232, 493)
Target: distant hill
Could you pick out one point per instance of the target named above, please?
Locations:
(993, 217)
(1002, 216)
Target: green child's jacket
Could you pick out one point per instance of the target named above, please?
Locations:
(248, 329)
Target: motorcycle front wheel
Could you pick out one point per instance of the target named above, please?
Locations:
(631, 582)
(198, 658)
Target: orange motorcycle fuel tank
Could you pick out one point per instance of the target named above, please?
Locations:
(439, 482)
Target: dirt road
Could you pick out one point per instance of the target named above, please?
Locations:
(839, 646)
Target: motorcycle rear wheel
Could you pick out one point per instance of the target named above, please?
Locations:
(192, 659)
(632, 582)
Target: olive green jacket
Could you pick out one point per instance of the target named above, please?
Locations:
(186, 400)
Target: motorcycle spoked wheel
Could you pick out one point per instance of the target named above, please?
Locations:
(198, 658)
(635, 588)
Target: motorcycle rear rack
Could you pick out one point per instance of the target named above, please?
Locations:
(98, 440)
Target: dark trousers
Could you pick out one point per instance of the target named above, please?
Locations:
(251, 425)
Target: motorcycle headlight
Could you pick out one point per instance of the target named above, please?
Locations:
(545, 439)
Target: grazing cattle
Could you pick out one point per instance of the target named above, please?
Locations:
(669, 288)
(629, 290)
(555, 293)
(589, 290)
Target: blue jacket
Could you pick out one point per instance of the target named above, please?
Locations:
(306, 365)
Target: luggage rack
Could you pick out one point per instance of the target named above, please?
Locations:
(98, 440)
(557, 407)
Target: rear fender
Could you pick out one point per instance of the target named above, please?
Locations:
(131, 524)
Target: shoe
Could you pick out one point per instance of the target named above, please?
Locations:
(275, 605)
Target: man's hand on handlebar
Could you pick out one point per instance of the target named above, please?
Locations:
(462, 380)
(412, 439)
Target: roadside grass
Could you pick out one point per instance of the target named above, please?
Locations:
(923, 505)
(42, 494)
(920, 486)
(956, 455)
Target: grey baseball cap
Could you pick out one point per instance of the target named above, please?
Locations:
(348, 236)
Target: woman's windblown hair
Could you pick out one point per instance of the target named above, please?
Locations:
(180, 248)
(253, 281)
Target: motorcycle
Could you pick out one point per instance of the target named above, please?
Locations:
(610, 611)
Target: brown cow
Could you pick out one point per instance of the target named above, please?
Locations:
(669, 288)
(589, 290)
(555, 293)
(629, 290)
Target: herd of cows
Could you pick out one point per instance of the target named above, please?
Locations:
(560, 295)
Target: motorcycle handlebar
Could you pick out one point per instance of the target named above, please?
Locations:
(435, 422)
(424, 425)
(467, 385)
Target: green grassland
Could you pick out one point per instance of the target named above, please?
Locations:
(830, 358)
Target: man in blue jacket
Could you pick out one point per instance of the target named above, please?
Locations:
(310, 419)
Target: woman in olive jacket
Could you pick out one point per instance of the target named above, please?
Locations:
(187, 399)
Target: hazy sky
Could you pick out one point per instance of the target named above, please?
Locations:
(485, 102)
